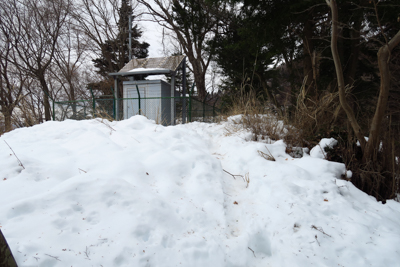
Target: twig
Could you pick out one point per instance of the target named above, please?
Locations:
(82, 170)
(265, 155)
(106, 124)
(53, 257)
(319, 229)
(87, 253)
(253, 252)
(233, 175)
(227, 194)
(270, 153)
(317, 240)
(323, 152)
(20, 163)
(247, 179)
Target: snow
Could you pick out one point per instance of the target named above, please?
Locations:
(156, 77)
(319, 150)
(138, 70)
(134, 193)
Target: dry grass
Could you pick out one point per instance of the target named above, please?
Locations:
(258, 118)
(311, 119)
(267, 156)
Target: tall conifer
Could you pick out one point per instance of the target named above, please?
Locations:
(115, 52)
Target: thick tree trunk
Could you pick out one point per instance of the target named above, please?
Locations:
(7, 112)
(46, 102)
(199, 78)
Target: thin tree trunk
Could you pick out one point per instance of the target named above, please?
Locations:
(308, 48)
(383, 63)
(339, 73)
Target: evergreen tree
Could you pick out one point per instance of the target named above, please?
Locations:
(115, 52)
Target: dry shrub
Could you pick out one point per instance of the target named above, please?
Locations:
(103, 114)
(257, 117)
(311, 119)
(381, 177)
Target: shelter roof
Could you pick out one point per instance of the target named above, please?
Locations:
(151, 65)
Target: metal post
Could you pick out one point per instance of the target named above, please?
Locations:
(93, 103)
(204, 107)
(112, 90)
(214, 109)
(130, 37)
(190, 103)
(173, 98)
(140, 109)
(54, 112)
(116, 98)
(184, 91)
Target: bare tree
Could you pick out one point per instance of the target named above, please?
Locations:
(69, 72)
(105, 23)
(193, 24)
(35, 27)
(97, 19)
(11, 81)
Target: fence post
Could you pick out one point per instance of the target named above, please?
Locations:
(94, 103)
(214, 109)
(140, 109)
(112, 90)
(54, 112)
(116, 89)
(184, 91)
(190, 102)
(204, 107)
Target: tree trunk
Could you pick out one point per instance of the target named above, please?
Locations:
(339, 73)
(7, 112)
(383, 63)
(46, 102)
(6, 257)
(308, 48)
(200, 82)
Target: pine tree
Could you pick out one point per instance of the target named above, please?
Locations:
(115, 52)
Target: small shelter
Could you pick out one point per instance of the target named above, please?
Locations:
(152, 98)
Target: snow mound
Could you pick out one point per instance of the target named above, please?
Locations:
(134, 193)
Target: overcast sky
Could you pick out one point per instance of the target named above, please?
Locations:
(152, 34)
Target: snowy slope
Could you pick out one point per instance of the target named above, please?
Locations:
(133, 193)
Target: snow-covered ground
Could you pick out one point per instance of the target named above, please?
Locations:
(133, 193)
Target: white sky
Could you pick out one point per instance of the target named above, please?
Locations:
(152, 34)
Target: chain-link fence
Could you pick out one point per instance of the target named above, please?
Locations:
(202, 111)
(83, 109)
(163, 110)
